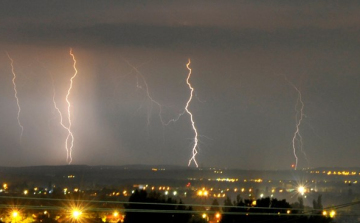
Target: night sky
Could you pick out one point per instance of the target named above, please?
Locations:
(247, 57)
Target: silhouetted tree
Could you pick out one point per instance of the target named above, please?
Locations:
(214, 209)
(269, 210)
(152, 207)
(215, 206)
(299, 205)
(317, 204)
(227, 202)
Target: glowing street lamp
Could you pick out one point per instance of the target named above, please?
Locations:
(332, 214)
(217, 216)
(15, 214)
(301, 190)
(76, 214)
(253, 203)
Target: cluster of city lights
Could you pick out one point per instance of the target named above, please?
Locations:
(203, 193)
(217, 217)
(350, 182)
(332, 172)
(345, 173)
(162, 188)
(231, 180)
(330, 214)
(76, 214)
(157, 169)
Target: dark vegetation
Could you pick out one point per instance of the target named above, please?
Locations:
(153, 207)
(271, 210)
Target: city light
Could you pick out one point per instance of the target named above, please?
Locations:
(15, 214)
(76, 214)
(332, 214)
(217, 216)
(301, 190)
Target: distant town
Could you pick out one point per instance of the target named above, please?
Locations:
(101, 193)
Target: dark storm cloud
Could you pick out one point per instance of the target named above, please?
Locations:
(181, 36)
(236, 14)
(235, 24)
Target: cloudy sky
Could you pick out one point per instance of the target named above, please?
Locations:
(248, 59)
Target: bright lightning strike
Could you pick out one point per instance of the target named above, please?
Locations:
(68, 155)
(139, 76)
(70, 135)
(196, 140)
(17, 99)
(69, 142)
(297, 138)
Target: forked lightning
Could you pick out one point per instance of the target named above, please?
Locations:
(69, 142)
(196, 140)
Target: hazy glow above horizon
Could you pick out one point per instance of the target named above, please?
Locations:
(242, 105)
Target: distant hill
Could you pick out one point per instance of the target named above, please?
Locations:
(83, 175)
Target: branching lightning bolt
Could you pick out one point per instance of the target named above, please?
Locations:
(68, 155)
(17, 99)
(297, 138)
(196, 140)
(139, 77)
(70, 135)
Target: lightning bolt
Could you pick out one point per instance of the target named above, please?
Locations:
(69, 142)
(140, 77)
(297, 140)
(17, 99)
(70, 136)
(196, 140)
